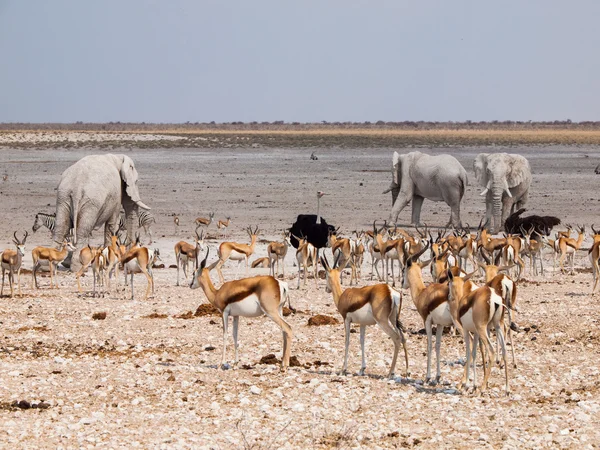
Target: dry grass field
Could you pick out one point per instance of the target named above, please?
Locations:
(78, 371)
(295, 136)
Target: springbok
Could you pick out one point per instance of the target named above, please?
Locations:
(249, 297)
(369, 305)
(11, 263)
(236, 252)
(54, 258)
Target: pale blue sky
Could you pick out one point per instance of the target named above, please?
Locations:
(177, 61)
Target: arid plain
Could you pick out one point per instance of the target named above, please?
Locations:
(147, 375)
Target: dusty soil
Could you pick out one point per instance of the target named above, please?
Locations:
(146, 374)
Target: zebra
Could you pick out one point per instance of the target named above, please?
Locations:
(46, 220)
(145, 221)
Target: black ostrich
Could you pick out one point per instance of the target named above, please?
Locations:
(542, 225)
(313, 227)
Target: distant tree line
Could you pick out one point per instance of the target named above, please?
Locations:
(282, 125)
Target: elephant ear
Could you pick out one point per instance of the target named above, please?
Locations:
(396, 167)
(129, 176)
(518, 171)
(480, 168)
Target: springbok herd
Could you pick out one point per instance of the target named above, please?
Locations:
(455, 258)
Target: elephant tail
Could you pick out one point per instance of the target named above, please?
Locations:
(463, 185)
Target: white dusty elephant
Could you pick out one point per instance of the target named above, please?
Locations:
(506, 179)
(90, 195)
(417, 176)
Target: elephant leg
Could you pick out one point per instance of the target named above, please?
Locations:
(417, 203)
(507, 204)
(522, 201)
(401, 202)
(454, 204)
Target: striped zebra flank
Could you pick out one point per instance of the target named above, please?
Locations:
(145, 221)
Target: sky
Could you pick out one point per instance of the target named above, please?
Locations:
(306, 61)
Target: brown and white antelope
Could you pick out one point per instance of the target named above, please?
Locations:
(369, 305)
(534, 249)
(507, 287)
(89, 256)
(236, 252)
(185, 252)
(203, 221)
(306, 255)
(594, 254)
(276, 251)
(140, 260)
(248, 297)
(222, 225)
(176, 223)
(112, 256)
(474, 312)
(431, 303)
(345, 249)
(54, 258)
(11, 263)
(568, 247)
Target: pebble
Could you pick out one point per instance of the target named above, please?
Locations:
(255, 390)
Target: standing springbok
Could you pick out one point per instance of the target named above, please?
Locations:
(369, 305)
(222, 225)
(140, 260)
(54, 258)
(473, 312)
(11, 262)
(345, 249)
(89, 255)
(236, 252)
(568, 247)
(431, 303)
(185, 252)
(594, 255)
(203, 221)
(249, 297)
(534, 249)
(306, 255)
(277, 251)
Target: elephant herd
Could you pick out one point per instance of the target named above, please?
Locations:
(417, 176)
(92, 192)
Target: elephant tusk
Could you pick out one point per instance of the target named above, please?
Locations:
(143, 205)
(507, 192)
(387, 190)
(487, 188)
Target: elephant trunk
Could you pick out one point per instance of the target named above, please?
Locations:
(395, 192)
(498, 189)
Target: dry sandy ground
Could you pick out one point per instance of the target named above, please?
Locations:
(145, 378)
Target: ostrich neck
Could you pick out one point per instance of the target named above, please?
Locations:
(318, 210)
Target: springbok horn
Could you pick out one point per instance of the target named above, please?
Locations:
(485, 257)
(203, 263)
(337, 259)
(417, 255)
